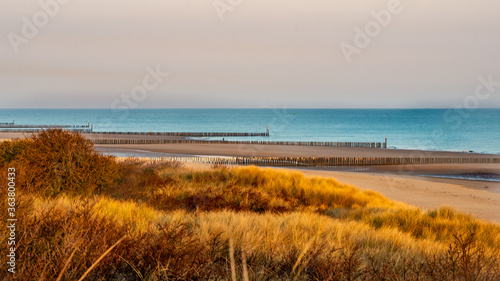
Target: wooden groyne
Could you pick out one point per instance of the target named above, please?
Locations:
(189, 134)
(156, 141)
(11, 127)
(89, 128)
(318, 161)
(192, 134)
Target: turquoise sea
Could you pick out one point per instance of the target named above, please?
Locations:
(476, 130)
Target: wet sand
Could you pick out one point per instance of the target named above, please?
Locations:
(248, 150)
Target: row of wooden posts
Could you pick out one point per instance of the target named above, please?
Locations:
(89, 129)
(190, 134)
(11, 127)
(158, 141)
(316, 161)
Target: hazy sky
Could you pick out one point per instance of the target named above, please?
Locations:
(264, 53)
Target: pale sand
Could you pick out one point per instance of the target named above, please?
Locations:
(424, 193)
(424, 172)
(421, 192)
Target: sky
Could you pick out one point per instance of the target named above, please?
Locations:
(249, 54)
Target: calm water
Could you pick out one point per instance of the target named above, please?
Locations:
(430, 129)
(480, 177)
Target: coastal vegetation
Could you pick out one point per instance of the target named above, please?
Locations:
(82, 215)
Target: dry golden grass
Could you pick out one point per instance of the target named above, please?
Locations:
(166, 222)
(270, 241)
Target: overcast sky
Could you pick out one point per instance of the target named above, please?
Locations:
(247, 53)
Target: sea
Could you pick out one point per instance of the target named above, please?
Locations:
(464, 130)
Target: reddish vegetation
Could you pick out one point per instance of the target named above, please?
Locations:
(56, 161)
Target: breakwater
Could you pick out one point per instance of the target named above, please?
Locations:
(12, 127)
(188, 134)
(318, 161)
(298, 143)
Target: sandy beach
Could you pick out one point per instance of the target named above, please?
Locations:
(428, 173)
(427, 193)
(228, 149)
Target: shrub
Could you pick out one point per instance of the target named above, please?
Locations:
(55, 161)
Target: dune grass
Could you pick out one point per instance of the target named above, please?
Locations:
(162, 221)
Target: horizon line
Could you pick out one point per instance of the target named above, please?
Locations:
(182, 108)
